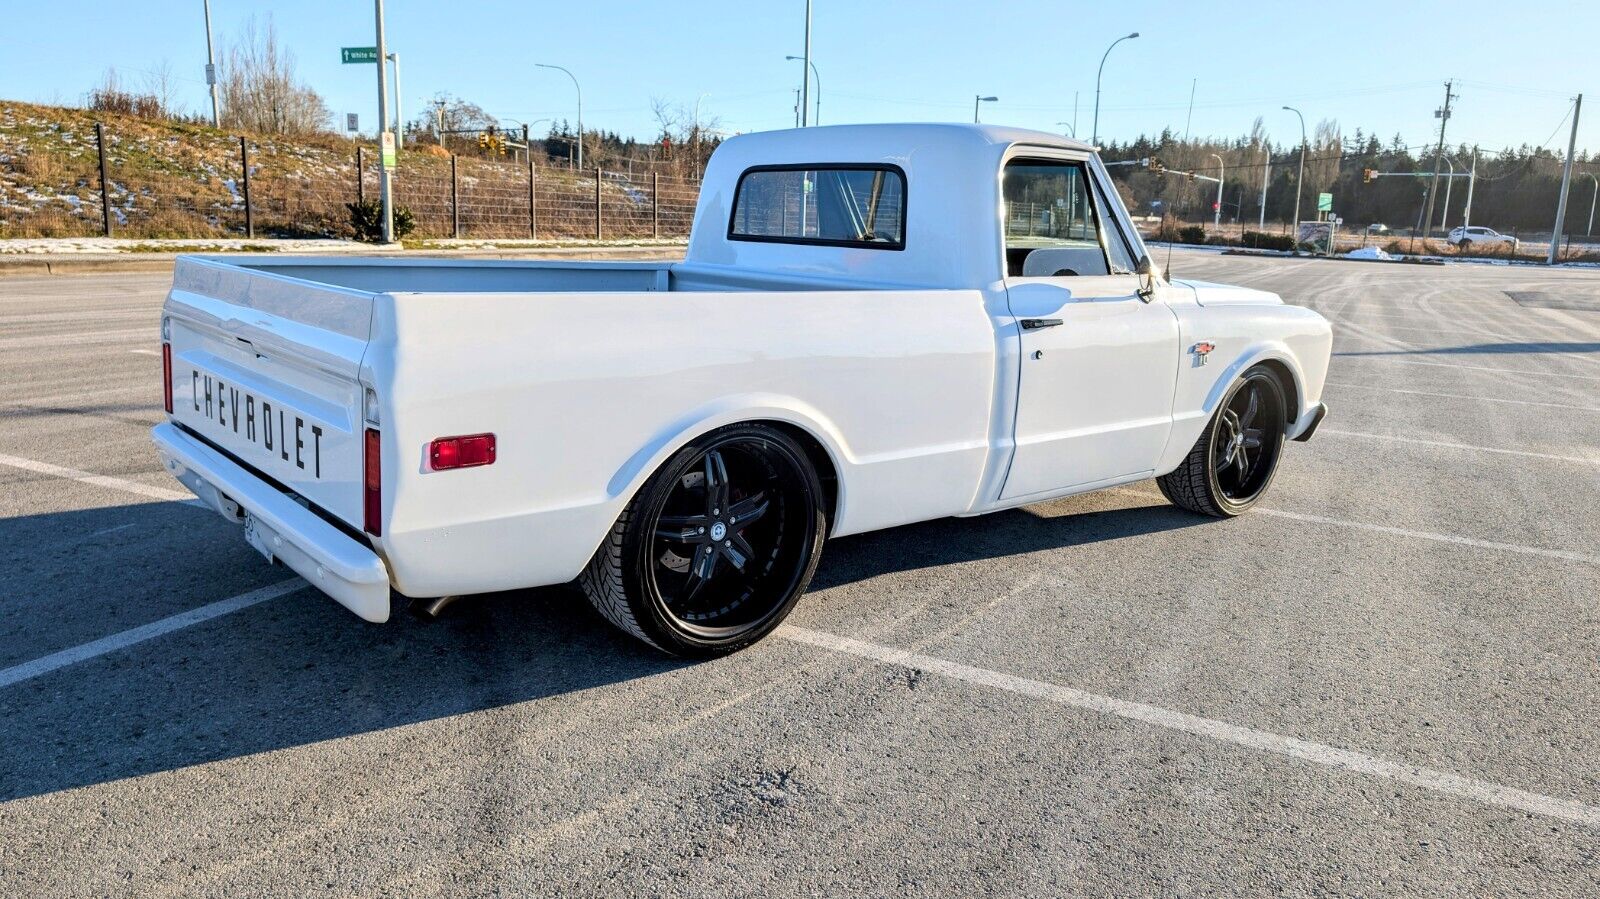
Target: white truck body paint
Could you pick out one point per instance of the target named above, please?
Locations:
(907, 368)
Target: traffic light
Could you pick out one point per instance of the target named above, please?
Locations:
(1367, 175)
(483, 140)
(1156, 167)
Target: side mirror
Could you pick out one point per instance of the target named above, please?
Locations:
(1149, 273)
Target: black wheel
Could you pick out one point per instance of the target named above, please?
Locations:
(1233, 462)
(716, 548)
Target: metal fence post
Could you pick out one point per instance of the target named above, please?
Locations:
(244, 161)
(455, 199)
(655, 206)
(105, 199)
(599, 233)
(533, 215)
(361, 185)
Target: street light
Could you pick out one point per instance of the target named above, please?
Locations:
(580, 106)
(1072, 130)
(1094, 137)
(976, 99)
(1299, 184)
(1222, 175)
(818, 85)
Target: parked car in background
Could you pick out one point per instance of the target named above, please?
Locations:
(1466, 238)
(1377, 228)
(874, 325)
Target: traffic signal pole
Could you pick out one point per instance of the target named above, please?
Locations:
(1566, 183)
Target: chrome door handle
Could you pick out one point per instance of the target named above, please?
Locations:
(1038, 324)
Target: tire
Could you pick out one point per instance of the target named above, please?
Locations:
(716, 548)
(1221, 477)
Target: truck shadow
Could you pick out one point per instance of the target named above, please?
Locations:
(299, 670)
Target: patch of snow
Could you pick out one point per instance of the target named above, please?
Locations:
(1368, 253)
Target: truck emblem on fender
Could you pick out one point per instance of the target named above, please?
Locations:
(1202, 351)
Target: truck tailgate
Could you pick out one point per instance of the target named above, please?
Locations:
(266, 368)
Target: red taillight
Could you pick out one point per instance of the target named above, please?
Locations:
(461, 452)
(166, 375)
(372, 485)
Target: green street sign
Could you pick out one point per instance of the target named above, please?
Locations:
(1324, 202)
(348, 55)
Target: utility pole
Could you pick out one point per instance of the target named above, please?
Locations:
(211, 70)
(1566, 183)
(1438, 156)
(1472, 183)
(1266, 168)
(797, 107)
(399, 114)
(385, 138)
(805, 70)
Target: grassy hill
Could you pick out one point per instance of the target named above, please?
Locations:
(179, 179)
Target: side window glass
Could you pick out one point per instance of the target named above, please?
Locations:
(1051, 227)
(1121, 253)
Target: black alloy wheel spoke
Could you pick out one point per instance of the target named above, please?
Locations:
(748, 511)
(716, 484)
(1250, 410)
(681, 528)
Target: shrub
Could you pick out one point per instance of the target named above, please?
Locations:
(1260, 240)
(1192, 234)
(367, 220)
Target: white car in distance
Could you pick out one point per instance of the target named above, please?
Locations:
(873, 325)
(1466, 238)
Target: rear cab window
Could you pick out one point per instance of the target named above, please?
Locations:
(1055, 223)
(828, 205)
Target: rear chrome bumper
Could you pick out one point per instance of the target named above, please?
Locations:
(1316, 416)
(325, 556)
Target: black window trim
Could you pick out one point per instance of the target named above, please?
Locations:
(905, 189)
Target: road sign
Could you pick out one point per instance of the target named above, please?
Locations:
(352, 122)
(1324, 202)
(348, 55)
(386, 149)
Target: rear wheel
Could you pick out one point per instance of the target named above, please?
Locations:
(716, 548)
(1236, 457)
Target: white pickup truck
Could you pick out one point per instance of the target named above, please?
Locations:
(873, 325)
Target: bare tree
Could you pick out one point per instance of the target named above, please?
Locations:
(159, 83)
(259, 90)
(453, 119)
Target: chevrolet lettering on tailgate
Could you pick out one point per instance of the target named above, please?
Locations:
(278, 431)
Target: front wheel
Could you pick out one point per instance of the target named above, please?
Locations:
(716, 548)
(1234, 461)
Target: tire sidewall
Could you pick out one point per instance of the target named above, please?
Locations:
(1230, 507)
(649, 608)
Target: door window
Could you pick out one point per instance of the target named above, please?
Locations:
(1052, 225)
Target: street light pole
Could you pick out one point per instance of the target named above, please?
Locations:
(579, 89)
(399, 114)
(1072, 130)
(1299, 184)
(1444, 217)
(1472, 182)
(385, 161)
(976, 99)
(818, 104)
(1095, 133)
(805, 83)
(1222, 175)
(211, 70)
(1593, 197)
(1266, 168)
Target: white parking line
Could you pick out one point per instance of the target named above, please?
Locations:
(145, 352)
(1462, 396)
(46, 664)
(1318, 753)
(1504, 371)
(1565, 555)
(1463, 446)
(85, 477)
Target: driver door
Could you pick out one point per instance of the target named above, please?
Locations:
(1099, 362)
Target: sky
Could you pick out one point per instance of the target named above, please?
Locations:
(1380, 67)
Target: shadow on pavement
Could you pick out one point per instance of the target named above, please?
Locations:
(299, 669)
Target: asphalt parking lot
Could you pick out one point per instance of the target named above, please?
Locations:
(1386, 681)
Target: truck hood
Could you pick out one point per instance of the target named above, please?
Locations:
(1209, 294)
